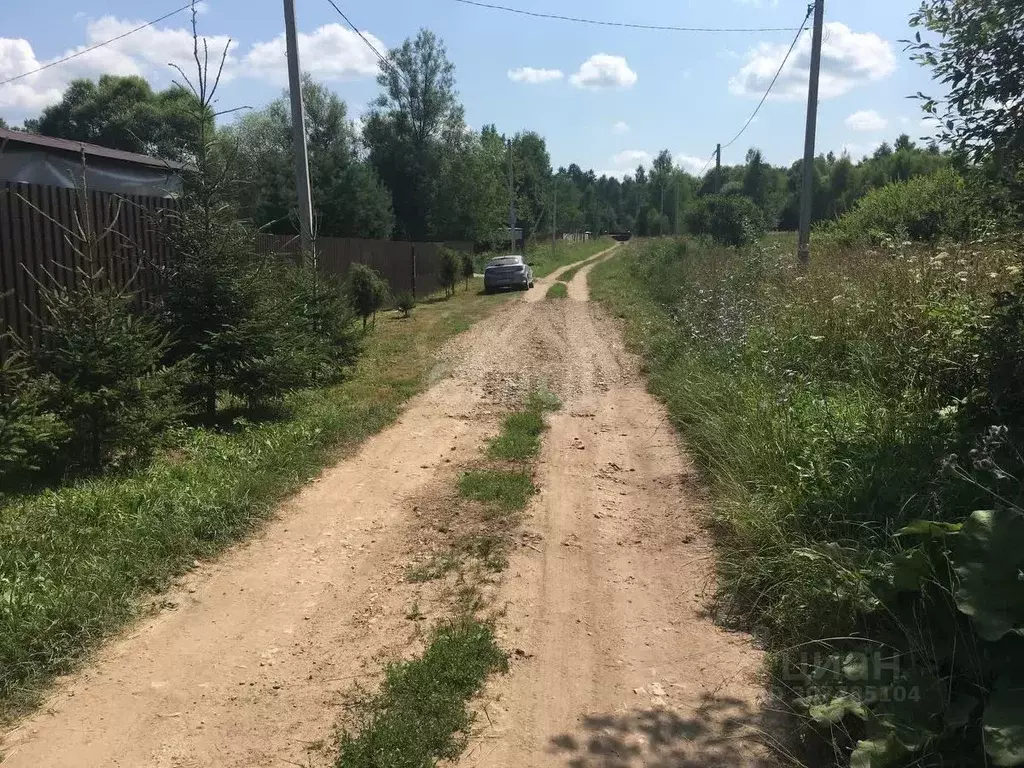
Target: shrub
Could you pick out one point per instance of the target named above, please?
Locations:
(101, 369)
(405, 303)
(366, 290)
(468, 268)
(448, 270)
(924, 208)
(729, 219)
(324, 322)
(30, 436)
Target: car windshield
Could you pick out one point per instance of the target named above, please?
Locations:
(505, 261)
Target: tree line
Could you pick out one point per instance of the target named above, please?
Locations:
(412, 169)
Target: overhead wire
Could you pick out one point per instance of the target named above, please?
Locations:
(622, 24)
(713, 153)
(771, 85)
(383, 59)
(95, 47)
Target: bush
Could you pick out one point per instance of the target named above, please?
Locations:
(405, 303)
(728, 219)
(366, 290)
(448, 270)
(30, 436)
(925, 208)
(101, 371)
(324, 323)
(468, 268)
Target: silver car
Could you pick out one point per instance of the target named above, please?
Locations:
(507, 272)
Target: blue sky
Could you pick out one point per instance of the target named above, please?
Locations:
(605, 98)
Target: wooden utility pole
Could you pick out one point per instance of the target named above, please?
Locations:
(661, 216)
(299, 135)
(718, 168)
(511, 203)
(554, 219)
(803, 249)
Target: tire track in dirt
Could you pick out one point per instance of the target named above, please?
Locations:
(252, 664)
(622, 666)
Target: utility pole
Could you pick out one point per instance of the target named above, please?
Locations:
(718, 168)
(803, 249)
(554, 220)
(299, 135)
(511, 203)
(675, 220)
(661, 217)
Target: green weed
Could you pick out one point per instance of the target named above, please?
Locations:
(420, 715)
(436, 567)
(507, 490)
(557, 291)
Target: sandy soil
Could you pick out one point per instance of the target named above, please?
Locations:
(616, 665)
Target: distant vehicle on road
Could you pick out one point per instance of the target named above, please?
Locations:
(507, 272)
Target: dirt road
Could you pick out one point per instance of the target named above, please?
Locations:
(249, 664)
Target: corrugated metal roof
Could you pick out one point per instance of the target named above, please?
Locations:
(78, 147)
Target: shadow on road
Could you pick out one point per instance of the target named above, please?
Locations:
(721, 732)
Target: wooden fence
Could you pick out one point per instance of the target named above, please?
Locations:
(40, 241)
(36, 247)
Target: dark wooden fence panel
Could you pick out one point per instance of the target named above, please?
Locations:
(41, 244)
(38, 244)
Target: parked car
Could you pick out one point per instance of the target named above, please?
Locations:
(511, 271)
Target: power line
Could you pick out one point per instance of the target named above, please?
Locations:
(383, 60)
(629, 25)
(94, 47)
(772, 83)
(713, 153)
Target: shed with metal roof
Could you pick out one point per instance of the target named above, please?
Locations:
(29, 158)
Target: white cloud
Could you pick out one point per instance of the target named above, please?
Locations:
(866, 120)
(857, 151)
(620, 127)
(331, 52)
(689, 163)
(631, 158)
(602, 71)
(146, 52)
(848, 59)
(534, 76)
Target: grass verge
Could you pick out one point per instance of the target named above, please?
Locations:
(557, 291)
(76, 561)
(420, 715)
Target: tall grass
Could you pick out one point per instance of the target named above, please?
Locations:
(75, 561)
(831, 408)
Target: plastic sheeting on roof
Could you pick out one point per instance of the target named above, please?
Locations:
(34, 166)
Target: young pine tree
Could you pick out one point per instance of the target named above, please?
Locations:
(99, 361)
(218, 295)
